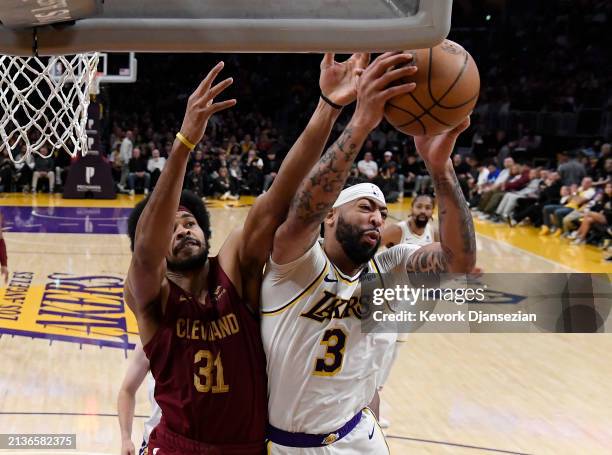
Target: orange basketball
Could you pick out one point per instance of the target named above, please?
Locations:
(447, 89)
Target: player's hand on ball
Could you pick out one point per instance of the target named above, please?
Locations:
(381, 81)
(338, 80)
(436, 150)
(127, 447)
(201, 105)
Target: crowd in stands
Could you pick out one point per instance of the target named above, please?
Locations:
(513, 175)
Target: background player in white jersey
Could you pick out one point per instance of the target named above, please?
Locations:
(418, 229)
(137, 372)
(322, 370)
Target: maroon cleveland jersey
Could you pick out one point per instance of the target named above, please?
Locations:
(209, 366)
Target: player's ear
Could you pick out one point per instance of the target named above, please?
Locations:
(330, 218)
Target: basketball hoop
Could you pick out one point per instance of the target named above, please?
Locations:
(44, 103)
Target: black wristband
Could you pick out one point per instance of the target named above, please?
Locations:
(330, 102)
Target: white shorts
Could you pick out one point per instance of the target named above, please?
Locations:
(366, 438)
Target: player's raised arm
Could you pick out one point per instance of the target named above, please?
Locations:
(156, 224)
(338, 87)
(456, 251)
(319, 190)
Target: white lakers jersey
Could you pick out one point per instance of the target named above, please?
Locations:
(322, 369)
(156, 413)
(414, 239)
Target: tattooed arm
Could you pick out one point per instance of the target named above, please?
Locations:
(320, 189)
(456, 251)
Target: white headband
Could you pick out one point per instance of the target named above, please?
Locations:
(361, 190)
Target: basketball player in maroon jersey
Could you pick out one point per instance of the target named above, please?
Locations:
(198, 315)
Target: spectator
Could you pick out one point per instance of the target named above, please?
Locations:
(254, 172)
(368, 169)
(127, 146)
(61, 161)
(223, 187)
(247, 144)
(388, 181)
(235, 172)
(571, 170)
(410, 171)
(138, 172)
(603, 175)
(519, 177)
(43, 167)
(490, 190)
(509, 201)
(390, 163)
(196, 180)
(155, 166)
(582, 203)
(116, 164)
(553, 215)
(270, 169)
(22, 169)
(487, 173)
(600, 214)
(464, 173)
(549, 194)
(6, 172)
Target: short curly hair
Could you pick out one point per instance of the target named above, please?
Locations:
(189, 200)
(416, 198)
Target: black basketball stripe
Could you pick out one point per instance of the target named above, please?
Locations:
(448, 90)
(410, 113)
(427, 111)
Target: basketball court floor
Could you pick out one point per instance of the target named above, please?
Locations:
(66, 337)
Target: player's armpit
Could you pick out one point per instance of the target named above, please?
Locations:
(431, 258)
(292, 242)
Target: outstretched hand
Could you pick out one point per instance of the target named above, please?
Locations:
(201, 105)
(381, 81)
(338, 80)
(436, 150)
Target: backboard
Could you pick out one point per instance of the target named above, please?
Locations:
(53, 27)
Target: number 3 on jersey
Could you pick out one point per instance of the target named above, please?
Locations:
(331, 363)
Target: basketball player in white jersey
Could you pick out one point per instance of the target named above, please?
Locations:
(136, 373)
(322, 370)
(418, 229)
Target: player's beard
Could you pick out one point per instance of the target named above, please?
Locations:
(421, 221)
(349, 237)
(191, 263)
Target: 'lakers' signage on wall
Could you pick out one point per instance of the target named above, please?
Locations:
(78, 309)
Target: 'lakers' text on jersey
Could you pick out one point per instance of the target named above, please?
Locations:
(322, 369)
(209, 366)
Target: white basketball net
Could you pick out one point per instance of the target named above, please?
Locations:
(43, 103)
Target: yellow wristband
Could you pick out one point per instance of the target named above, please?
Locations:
(186, 142)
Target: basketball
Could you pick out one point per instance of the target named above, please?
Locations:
(447, 88)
